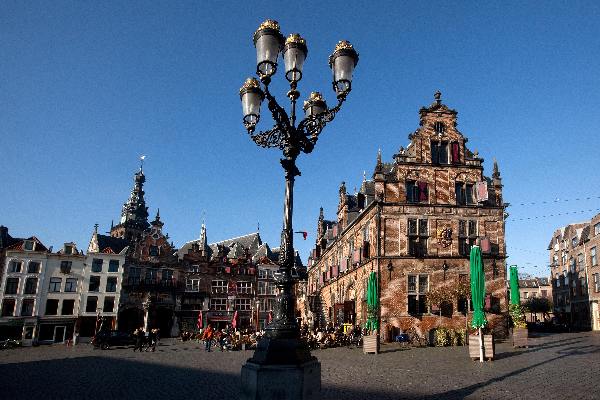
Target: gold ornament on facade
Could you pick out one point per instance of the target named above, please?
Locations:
(251, 83)
(268, 24)
(444, 236)
(295, 38)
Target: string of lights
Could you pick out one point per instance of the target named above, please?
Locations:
(553, 215)
(555, 200)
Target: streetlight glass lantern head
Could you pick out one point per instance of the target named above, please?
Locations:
(342, 63)
(251, 96)
(294, 54)
(315, 105)
(268, 42)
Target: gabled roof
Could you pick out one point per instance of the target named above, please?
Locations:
(18, 245)
(111, 245)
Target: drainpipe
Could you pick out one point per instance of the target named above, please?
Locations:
(378, 242)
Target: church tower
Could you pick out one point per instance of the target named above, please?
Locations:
(134, 214)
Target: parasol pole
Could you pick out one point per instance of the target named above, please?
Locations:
(480, 344)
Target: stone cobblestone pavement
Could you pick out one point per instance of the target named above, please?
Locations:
(547, 369)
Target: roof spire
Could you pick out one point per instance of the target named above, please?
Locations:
(496, 172)
(134, 212)
(96, 227)
(142, 158)
(438, 97)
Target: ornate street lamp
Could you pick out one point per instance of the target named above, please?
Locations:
(280, 349)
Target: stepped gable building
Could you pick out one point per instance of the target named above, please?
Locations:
(413, 224)
(227, 276)
(575, 274)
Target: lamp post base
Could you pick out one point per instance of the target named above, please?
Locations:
(281, 382)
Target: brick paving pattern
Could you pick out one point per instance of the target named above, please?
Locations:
(547, 369)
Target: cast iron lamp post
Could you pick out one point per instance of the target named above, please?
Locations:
(280, 345)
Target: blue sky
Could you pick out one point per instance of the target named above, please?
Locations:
(87, 87)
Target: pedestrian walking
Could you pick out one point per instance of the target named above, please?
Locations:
(139, 339)
(207, 336)
(151, 344)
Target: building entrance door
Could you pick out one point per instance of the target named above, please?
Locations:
(349, 313)
(59, 334)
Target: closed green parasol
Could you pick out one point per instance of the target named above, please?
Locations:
(478, 294)
(515, 296)
(372, 302)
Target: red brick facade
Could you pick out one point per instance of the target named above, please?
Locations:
(413, 224)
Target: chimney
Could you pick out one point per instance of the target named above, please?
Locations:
(3, 236)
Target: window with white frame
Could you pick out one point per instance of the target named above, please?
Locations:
(113, 265)
(243, 304)
(266, 304)
(262, 287)
(418, 286)
(71, 285)
(244, 287)
(31, 285)
(597, 229)
(192, 285)
(55, 284)
(596, 282)
(218, 304)
(15, 266)
(219, 286)
(97, 265)
(12, 285)
(262, 273)
(29, 245)
(111, 284)
(593, 256)
(33, 267)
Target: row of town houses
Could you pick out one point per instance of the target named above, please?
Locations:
(413, 224)
(133, 277)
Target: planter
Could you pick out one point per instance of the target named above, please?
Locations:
(489, 347)
(371, 344)
(520, 336)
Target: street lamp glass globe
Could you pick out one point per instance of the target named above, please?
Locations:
(268, 42)
(315, 105)
(251, 96)
(294, 54)
(342, 63)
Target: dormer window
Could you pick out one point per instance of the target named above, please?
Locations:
(68, 249)
(29, 245)
(154, 251)
(65, 267)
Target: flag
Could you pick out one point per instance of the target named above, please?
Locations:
(304, 234)
(234, 320)
(200, 324)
